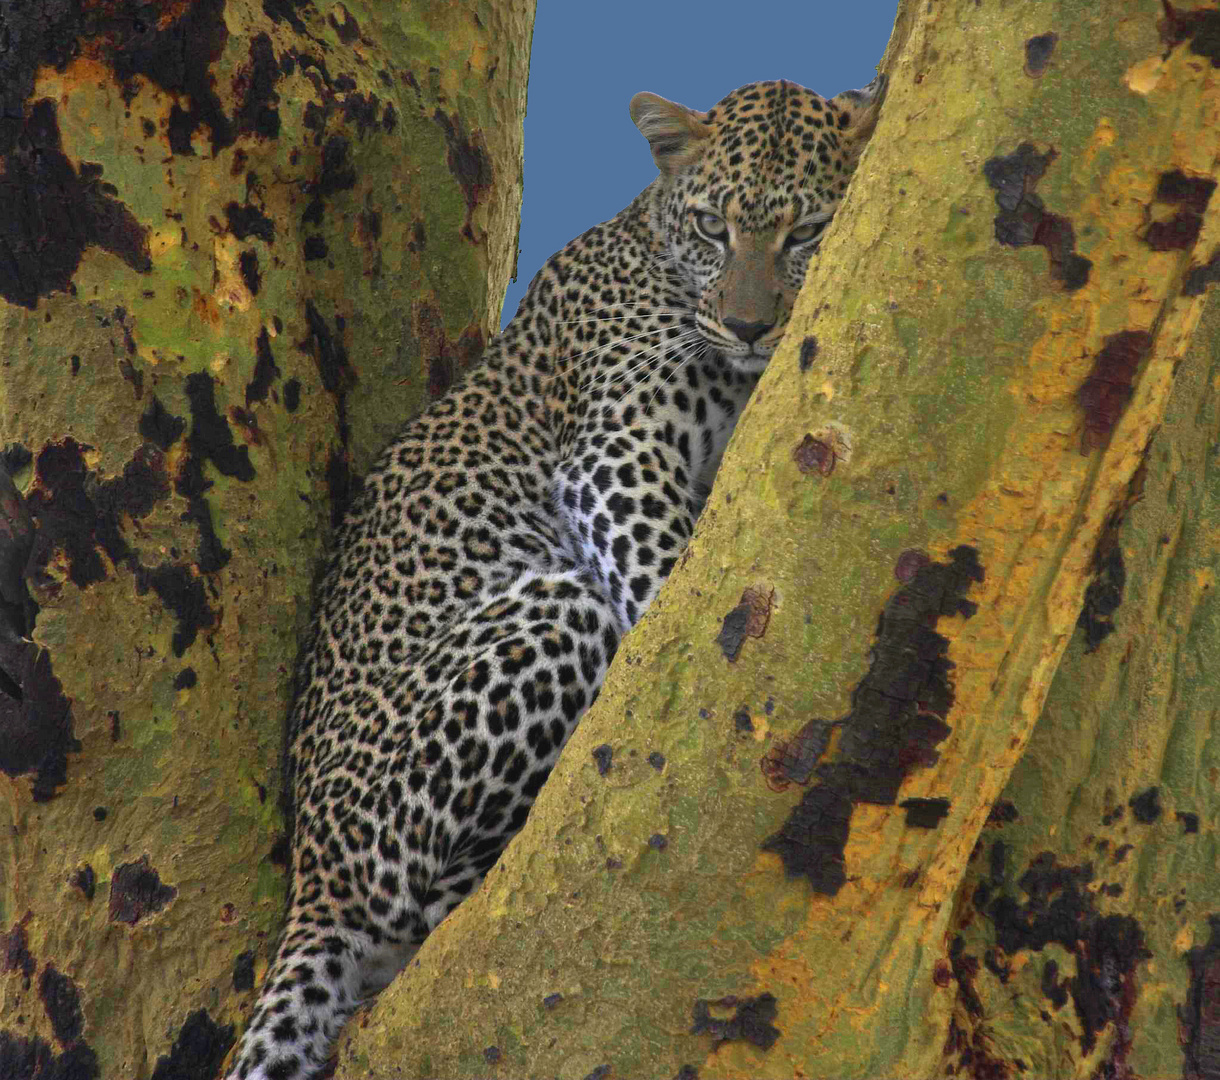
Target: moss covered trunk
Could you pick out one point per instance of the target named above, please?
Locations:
(994, 411)
(240, 243)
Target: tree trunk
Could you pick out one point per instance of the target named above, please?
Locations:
(240, 243)
(939, 474)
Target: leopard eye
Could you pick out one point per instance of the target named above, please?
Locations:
(710, 226)
(806, 233)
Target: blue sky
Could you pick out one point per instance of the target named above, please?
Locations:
(585, 160)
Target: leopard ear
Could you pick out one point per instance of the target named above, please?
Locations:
(673, 131)
(858, 111)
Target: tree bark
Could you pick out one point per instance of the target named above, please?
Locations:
(976, 391)
(1079, 940)
(240, 243)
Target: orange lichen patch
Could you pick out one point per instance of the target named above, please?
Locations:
(1184, 940)
(869, 848)
(1143, 77)
(204, 307)
(231, 289)
(941, 877)
(478, 57)
(161, 240)
(175, 457)
(1103, 136)
(84, 72)
(814, 1025)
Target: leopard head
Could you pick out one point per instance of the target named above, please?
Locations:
(746, 192)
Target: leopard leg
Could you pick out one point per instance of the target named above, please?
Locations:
(395, 829)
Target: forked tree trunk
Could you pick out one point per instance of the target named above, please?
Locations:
(996, 408)
(240, 243)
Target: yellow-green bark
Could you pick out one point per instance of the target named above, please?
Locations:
(1126, 728)
(946, 370)
(359, 239)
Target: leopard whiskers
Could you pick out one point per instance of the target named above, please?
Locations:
(642, 312)
(588, 358)
(682, 344)
(700, 349)
(642, 363)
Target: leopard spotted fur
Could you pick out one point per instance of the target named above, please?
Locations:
(513, 532)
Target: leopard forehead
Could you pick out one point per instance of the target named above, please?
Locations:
(775, 153)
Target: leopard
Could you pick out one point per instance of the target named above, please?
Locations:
(505, 541)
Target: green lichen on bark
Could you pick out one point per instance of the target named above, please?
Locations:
(193, 420)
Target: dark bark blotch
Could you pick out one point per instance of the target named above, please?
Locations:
(468, 161)
(1023, 218)
(266, 370)
(52, 213)
(603, 755)
(1146, 806)
(185, 679)
(292, 394)
(247, 264)
(1061, 909)
(246, 221)
(1104, 394)
(84, 879)
(159, 426)
(751, 1020)
(198, 1051)
(896, 720)
(61, 1001)
(136, 890)
(1199, 1016)
(183, 594)
(243, 972)
(330, 355)
(1038, 51)
(808, 353)
(36, 727)
(925, 813)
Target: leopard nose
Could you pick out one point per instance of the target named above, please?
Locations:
(749, 332)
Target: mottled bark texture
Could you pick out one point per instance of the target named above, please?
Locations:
(834, 814)
(240, 243)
